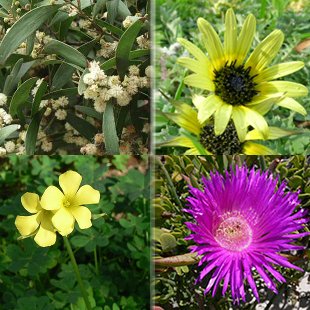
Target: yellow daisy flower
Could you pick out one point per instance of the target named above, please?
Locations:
(207, 143)
(240, 89)
(40, 223)
(67, 205)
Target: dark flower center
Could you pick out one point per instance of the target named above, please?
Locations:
(234, 84)
(226, 144)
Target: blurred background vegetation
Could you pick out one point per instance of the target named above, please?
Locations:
(113, 255)
(178, 19)
(176, 269)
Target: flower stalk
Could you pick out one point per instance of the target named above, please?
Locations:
(77, 273)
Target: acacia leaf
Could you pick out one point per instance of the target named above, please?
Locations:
(122, 53)
(109, 130)
(23, 28)
(21, 95)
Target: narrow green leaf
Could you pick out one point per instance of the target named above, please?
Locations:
(30, 43)
(109, 130)
(21, 95)
(6, 4)
(89, 111)
(38, 97)
(82, 86)
(32, 132)
(111, 63)
(99, 5)
(7, 131)
(109, 27)
(69, 53)
(122, 53)
(123, 10)
(16, 75)
(62, 92)
(23, 28)
(83, 127)
(11, 80)
(62, 75)
(4, 14)
(112, 9)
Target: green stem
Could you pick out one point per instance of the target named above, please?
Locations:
(77, 273)
(96, 261)
(170, 183)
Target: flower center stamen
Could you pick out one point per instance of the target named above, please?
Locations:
(234, 233)
(234, 85)
(66, 203)
(227, 143)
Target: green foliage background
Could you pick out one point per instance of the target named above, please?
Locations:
(174, 280)
(113, 255)
(178, 19)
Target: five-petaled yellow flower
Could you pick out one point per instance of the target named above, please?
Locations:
(241, 90)
(57, 210)
(40, 223)
(67, 205)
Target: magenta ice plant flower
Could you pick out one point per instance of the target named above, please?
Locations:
(243, 221)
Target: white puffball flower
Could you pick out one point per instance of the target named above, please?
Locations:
(3, 99)
(2, 151)
(61, 114)
(47, 146)
(10, 146)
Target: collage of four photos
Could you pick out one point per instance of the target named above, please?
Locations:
(154, 154)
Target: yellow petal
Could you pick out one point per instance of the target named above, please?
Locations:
(230, 36)
(279, 70)
(52, 198)
(192, 151)
(27, 225)
(289, 89)
(63, 221)
(250, 148)
(185, 118)
(221, 118)
(256, 120)
(178, 142)
(30, 202)
(183, 122)
(70, 182)
(46, 235)
(274, 133)
(86, 195)
(82, 216)
(293, 105)
(212, 43)
(199, 81)
(238, 116)
(196, 66)
(245, 38)
(263, 107)
(264, 53)
(196, 52)
(206, 106)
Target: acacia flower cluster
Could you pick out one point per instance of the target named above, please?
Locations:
(243, 221)
(57, 210)
(101, 88)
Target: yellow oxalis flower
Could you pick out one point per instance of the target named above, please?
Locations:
(39, 223)
(240, 89)
(67, 205)
(227, 143)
